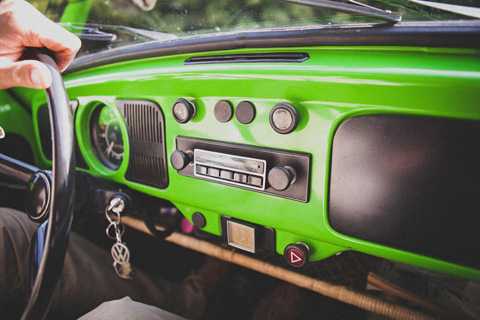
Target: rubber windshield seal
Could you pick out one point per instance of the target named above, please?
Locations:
(450, 34)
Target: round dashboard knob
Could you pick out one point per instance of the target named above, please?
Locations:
(280, 178)
(223, 111)
(245, 112)
(183, 110)
(283, 118)
(179, 159)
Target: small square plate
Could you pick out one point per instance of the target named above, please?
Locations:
(241, 236)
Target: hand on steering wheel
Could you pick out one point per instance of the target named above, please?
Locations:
(58, 195)
(23, 26)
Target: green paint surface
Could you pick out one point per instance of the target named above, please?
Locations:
(15, 119)
(334, 84)
(76, 11)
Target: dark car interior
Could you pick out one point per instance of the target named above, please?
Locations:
(330, 169)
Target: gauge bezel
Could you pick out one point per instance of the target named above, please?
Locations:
(93, 123)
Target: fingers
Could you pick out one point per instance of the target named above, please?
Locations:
(28, 73)
(42, 32)
(64, 44)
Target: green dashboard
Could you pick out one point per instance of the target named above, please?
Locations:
(341, 95)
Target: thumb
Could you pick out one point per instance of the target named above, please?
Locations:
(28, 73)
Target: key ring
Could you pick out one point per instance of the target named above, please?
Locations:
(109, 214)
(116, 226)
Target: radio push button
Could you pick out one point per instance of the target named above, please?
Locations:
(255, 181)
(240, 177)
(225, 174)
(201, 170)
(213, 172)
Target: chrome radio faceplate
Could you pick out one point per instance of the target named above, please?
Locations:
(231, 169)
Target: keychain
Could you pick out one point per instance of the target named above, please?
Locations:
(115, 230)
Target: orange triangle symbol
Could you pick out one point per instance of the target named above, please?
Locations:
(294, 258)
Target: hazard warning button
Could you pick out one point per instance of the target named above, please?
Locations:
(297, 254)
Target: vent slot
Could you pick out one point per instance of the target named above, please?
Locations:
(145, 124)
(250, 58)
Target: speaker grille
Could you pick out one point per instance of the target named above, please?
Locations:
(145, 124)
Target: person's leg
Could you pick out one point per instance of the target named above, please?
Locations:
(127, 309)
(88, 277)
(16, 232)
(88, 269)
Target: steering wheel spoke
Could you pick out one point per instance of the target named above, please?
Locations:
(37, 182)
(16, 170)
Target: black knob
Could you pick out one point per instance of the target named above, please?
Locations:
(199, 220)
(245, 112)
(280, 178)
(223, 111)
(183, 110)
(39, 197)
(179, 159)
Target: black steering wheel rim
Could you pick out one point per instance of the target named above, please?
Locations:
(45, 278)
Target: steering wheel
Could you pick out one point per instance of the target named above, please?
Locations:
(51, 197)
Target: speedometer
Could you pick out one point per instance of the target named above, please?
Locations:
(106, 132)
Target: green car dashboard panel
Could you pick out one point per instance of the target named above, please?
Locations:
(15, 120)
(353, 106)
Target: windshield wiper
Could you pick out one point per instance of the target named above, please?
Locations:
(151, 34)
(111, 33)
(467, 11)
(90, 33)
(352, 7)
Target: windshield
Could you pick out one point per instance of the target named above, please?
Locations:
(186, 18)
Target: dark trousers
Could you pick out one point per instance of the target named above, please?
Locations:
(88, 278)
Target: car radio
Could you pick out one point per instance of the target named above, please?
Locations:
(277, 172)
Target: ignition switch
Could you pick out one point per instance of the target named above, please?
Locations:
(117, 204)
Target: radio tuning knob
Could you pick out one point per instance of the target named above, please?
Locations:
(180, 159)
(281, 177)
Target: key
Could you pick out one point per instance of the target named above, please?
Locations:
(123, 270)
(117, 205)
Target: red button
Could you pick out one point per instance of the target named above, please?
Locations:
(297, 254)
